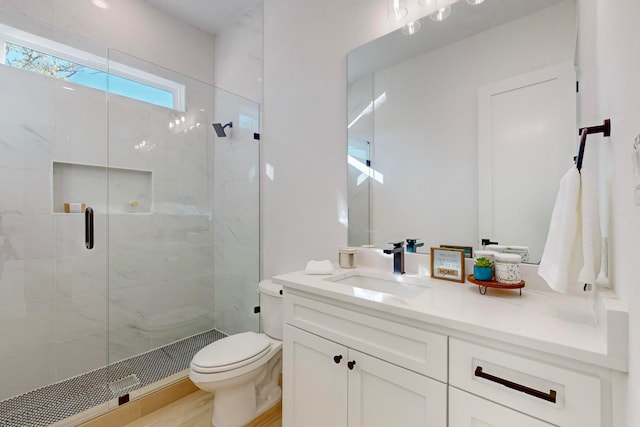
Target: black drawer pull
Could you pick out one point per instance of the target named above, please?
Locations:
(88, 228)
(549, 397)
(351, 364)
(337, 358)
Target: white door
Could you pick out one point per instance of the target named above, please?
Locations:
(527, 137)
(468, 410)
(383, 395)
(314, 381)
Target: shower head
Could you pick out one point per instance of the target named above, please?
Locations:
(219, 128)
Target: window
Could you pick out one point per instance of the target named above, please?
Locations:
(39, 55)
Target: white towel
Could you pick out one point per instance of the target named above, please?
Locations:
(571, 254)
(319, 267)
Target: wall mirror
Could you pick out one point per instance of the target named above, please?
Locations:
(463, 130)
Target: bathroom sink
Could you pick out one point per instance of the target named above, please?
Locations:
(402, 286)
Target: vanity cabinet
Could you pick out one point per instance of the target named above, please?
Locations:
(468, 410)
(335, 374)
(551, 392)
(328, 384)
(350, 361)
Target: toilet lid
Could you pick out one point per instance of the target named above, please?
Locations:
(231, 352)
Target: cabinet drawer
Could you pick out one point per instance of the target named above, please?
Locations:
(412, 348)
(554, 394)
(467, 410)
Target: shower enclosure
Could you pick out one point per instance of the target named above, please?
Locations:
(175, 209)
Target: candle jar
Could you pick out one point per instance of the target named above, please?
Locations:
(347, 257)
(507, 268)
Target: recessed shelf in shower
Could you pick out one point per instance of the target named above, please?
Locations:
(124, 190)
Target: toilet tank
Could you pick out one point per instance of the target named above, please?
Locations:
(271, 308)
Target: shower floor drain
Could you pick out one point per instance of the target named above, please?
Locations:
(122, 384)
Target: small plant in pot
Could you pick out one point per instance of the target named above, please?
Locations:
(483, 269)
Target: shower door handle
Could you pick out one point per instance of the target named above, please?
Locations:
(88, 228)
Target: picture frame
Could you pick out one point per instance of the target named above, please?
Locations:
(468, 250)
(447, 264)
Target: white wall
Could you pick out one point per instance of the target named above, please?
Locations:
(610, 65)
(304, 206)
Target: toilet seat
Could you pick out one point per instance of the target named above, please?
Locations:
(231, 353)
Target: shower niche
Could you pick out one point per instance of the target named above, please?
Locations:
(129, 190)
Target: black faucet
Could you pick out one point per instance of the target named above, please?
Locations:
(398, 257)
(412, 245)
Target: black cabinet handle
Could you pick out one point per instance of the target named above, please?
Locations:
(337, 358)
(88, 228)
(351, 364)
(549, 397)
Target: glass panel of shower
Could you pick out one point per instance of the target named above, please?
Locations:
(53, 163)
(175, 257)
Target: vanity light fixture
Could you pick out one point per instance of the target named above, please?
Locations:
(441, 13)
(396, 10)
(411, 28)
(474, 2)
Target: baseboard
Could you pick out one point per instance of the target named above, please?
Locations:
(143, 405)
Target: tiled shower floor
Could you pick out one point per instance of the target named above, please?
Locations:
(56, 402)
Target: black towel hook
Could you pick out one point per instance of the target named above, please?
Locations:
(604, 129)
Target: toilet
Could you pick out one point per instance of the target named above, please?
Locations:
(243, 370)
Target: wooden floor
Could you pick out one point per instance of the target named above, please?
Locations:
(195, 410)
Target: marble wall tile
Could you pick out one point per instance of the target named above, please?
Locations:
(27, 327)
(30, 236)
(130, 269)
(127, 341)
(81, 109)
(80, 355)
(80, 316)
(39, 280)
(130, 233)
(81, 275)
(130, 306)
(27, 370)
(76, 146)
(32, 98)
(25, 191)
(138, 154)
(177, 263)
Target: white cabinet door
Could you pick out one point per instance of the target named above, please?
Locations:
(468, 410)
(314, 381)
(383, 395)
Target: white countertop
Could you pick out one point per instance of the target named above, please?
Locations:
(592, 330)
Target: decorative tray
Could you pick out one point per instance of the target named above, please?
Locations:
(493, 284)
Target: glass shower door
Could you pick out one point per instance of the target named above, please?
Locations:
(53, 158)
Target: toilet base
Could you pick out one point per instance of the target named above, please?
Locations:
(239, 407)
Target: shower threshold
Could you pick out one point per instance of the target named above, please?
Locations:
(55, 402)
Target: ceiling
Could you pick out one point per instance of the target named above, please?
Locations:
(212, 16)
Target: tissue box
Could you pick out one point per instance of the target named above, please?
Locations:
(74, 207)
